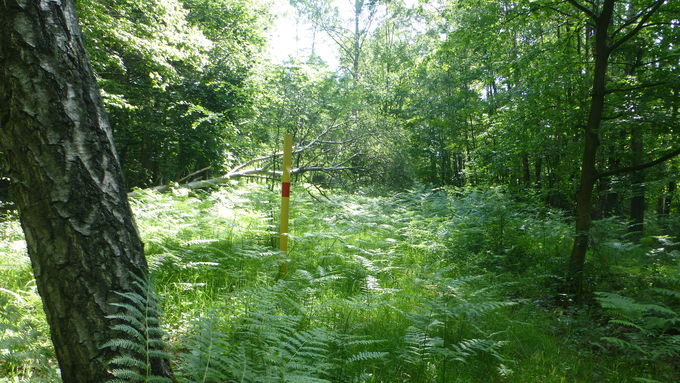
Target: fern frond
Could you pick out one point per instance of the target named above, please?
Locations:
(367, 355)
(127, 361)
(623, 344)
(667, 292)
(134, 298)
(645, 380)
(158, 379)
(132, 321)
(127, 375)
(124, 344)
(131, 310)
(626, 323)
(129, 330)
(140, 336)
(477, 308)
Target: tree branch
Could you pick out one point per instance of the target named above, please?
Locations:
(321, 169)
(262, 171)
(557, 10)
(629, 22)
(316, 140)
(637, 87)
(186, 177)
(652, 9)
(629, 169)
(582, 8)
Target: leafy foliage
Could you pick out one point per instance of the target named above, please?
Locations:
(140, 340)
(647, 330)
(412, 286)
(176, 86)
(330, 320)
(266, 345)
(25, 347)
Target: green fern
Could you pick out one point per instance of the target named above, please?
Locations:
(643, 329)
(211, 357)
(140, 338)
(267, 344)
(444, 330)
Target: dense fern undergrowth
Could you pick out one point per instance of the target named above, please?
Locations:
(420, 286)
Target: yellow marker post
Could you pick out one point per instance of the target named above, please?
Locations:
(285, 200)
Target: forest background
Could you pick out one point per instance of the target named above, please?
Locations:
(497, 125)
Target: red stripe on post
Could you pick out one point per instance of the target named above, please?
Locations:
(285, 190)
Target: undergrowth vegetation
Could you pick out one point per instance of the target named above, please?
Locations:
(421, 286)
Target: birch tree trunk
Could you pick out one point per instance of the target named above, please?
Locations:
(67, 182)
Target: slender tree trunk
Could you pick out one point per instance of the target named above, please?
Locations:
(526, 168)
(665, 201)
(446, 175)
(584, 195)
(637, 200)
(67, 182)
(672, 188)
(4, 188)
(358, 6)
(433, 168)
(609, 196)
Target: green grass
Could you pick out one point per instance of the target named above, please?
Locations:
(423, 286)
(26, 352)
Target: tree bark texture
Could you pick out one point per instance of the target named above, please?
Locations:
(67, 182)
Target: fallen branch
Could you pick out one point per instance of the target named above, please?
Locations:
(197, 172)
(295, 150)
(263, 172)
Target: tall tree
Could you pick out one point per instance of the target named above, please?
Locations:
(67, 182)
(176, 81)
(350, 38)
(610, 33)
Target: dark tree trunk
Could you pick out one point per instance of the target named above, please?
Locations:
(460, 174)
(609, 192)
(433, 168)
(609, 195)
(601, 15)
(672, 188)
(665, 201)
(526, 169)
(4, 190)
(446, 174)
(538, 171)
(67, 182)
(456, 170)
(637, 200)
(584, 195)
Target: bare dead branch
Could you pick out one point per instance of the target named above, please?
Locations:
(322, 169)
(263, 172)
(197, 172)
(316, 140)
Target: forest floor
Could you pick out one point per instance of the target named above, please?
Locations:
(420, 286)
